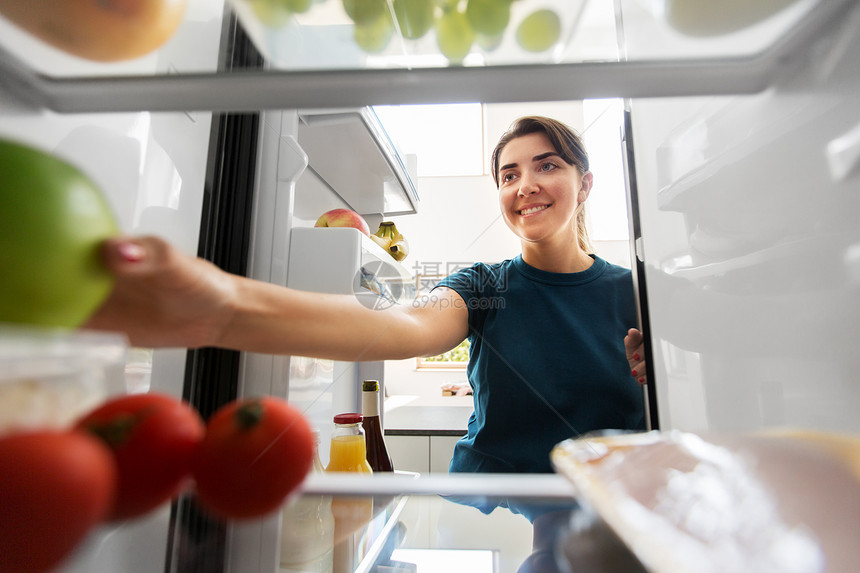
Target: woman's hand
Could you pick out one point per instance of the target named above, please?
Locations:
(635, 348)
(162, 297)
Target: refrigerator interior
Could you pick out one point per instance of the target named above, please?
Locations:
(745, 177)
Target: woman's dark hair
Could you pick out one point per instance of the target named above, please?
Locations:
(567, 143)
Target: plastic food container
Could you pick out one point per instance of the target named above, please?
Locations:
(48, 378)
(775, 500)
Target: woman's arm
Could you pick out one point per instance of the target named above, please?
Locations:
(165, 298)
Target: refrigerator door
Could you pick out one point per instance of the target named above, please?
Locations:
(750, 247)
(151, 168)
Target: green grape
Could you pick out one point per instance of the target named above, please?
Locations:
(270, 13)
(539, 31)
(365, 11)
(415, 17)
(489, 43)
(489, 17)
(298, 6)
(455, 35)
(374, 37)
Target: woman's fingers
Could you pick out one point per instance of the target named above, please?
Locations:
(134, 255)
(635, 349)
(161, 297)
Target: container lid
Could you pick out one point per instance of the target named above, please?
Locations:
(370, 386)
(349, 418)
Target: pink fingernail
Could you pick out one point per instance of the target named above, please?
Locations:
(636, 356)
(131, 252)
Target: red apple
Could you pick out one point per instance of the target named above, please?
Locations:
(343, 218)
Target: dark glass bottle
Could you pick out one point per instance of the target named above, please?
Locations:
(377, 453)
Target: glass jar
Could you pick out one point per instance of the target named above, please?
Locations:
(348, 451)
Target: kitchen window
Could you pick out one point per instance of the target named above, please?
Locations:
(448, 139)
(455, 359)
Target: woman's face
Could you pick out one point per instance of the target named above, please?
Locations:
(539, 191)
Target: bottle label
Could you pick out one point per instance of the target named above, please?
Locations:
(370, 403)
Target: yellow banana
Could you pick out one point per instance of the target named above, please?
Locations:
(390, 239)
(382, 242)
(399, 249)
(381, 236)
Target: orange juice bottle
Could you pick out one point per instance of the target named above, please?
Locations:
(348, 449)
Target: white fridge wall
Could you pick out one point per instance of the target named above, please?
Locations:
(254, 546)
(751, 249)
(329, 261)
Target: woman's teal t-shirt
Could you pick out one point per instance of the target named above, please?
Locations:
(547, 361)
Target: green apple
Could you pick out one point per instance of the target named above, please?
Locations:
(53, 219)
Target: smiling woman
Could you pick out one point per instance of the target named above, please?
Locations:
(543, 184)
(474, 231)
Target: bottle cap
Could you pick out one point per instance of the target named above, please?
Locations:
(370, 386)
(349, 418)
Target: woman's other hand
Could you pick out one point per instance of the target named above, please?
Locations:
(635, 349)
(162, 297)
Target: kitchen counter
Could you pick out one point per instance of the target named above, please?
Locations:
(448, 416)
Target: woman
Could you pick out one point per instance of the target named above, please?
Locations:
(546, 328)
(552, 337)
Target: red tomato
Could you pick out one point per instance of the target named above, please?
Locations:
(54, 487)
(153, 438)
(256, 451)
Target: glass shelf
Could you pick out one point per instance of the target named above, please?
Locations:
(348, 523)
(630, 48)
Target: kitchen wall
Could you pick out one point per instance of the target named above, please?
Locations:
(459, 222)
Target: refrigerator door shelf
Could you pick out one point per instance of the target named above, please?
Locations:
(352, 154)
(342, 260)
